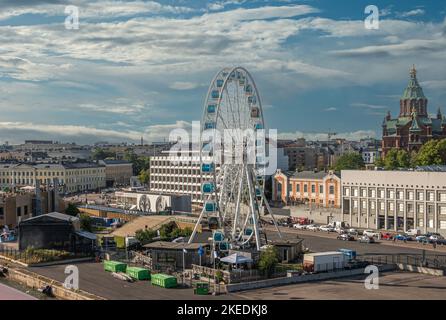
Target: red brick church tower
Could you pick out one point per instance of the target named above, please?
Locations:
(414, 126)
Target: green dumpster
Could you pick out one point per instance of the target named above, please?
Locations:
(201, 288)
(114, 266)
(138, 273)
(163, 280)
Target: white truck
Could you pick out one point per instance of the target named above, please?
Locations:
(324, 261)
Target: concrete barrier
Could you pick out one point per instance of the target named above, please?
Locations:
(424, 270)
(36, 281)
(302, 279)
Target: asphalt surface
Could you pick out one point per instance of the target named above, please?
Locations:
(93, 279)
(9, 293)
(392, 286)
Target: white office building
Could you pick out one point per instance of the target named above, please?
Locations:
(395, 200)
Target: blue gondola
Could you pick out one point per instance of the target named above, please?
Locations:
(210, 206)
(215, 94)
(252, 99)
(207, 167)
(208, 187)
(248, 89)
(258, 192)
(248, 231)
(209, 125)
(223, 246)
(218, 236)
(258, 126)
(220, 83)
(211, 108)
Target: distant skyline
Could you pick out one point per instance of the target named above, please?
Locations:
(142, 68)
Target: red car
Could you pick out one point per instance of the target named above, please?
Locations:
(386, 236)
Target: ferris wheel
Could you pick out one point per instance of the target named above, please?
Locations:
(232, 161)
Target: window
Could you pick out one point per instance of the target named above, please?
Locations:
(305, 188)
(381, 205)
(321, 189)
(410, 195)
(25, 210)
(355, 192)
(401, 207)
(420, 195)
(2, 213)
(420, 208)
(431, 196)
(442, 209)
(347, 192)
(372, 205)
(313, 188)
(19, 211)
(332, 190)
(442, 224)
(442, 196)
(431, 223)
(421, 222)
(298, 187)
(355, 204)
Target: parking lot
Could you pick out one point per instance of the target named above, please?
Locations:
(392, 286)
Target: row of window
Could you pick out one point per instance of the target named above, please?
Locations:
(419, 195)
(399, 207)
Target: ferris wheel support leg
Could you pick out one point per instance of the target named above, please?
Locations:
(192, 236)
(253, 212)
(272, 215)
(237, 206)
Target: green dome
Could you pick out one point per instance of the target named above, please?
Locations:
(413, 90)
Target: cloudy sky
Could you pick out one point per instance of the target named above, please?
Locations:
(141, 68)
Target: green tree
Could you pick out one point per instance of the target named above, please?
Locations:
(403, 159)
(101, 154)
(349, 161)
(432, 152)
(144, 176)
(72, 210)
(86, 222)
(269, 258)
(145, 236)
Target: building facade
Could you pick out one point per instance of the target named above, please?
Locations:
(319, 189)
(74, 177)
(117, 172)
(178, 177)
(395, 200)
(15, 208)
(414, 126)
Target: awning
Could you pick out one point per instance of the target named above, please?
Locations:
(86, 234)
(236, 258)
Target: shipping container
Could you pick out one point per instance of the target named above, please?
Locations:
(324, 261)
(114, 266)
(138, 273)
(164, 280)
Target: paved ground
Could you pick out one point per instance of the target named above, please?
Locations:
(95, 280)
(9, 293)
(392, 286)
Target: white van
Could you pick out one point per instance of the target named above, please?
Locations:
(413, 232)
(371, 233)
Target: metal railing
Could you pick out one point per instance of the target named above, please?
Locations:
(436, 261)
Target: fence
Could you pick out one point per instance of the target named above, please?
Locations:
(422, 260)
(33, 256)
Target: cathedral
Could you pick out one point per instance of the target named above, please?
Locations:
(414, 126)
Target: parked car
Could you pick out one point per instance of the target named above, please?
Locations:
(403, 237)
(299, 226)
(387, 236)
(326, 228)
(345, 237)
(422, 239)
(436, 238)
(370, 233)
(312, 227)
(366, 239)
(353, 232)
(413, 232)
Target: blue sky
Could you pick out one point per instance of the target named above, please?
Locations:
(143, 67)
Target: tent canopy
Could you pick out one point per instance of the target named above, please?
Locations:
(236, 258)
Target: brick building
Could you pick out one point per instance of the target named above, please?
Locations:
(321, 189)
(414, 126)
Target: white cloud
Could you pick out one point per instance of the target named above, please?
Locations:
(412, 13)
(330, 109)
(184, 85)
(368, 106)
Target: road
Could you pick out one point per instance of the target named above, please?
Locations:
(8, 293)
(93, 279)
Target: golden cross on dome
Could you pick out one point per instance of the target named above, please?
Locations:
(413, 71)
